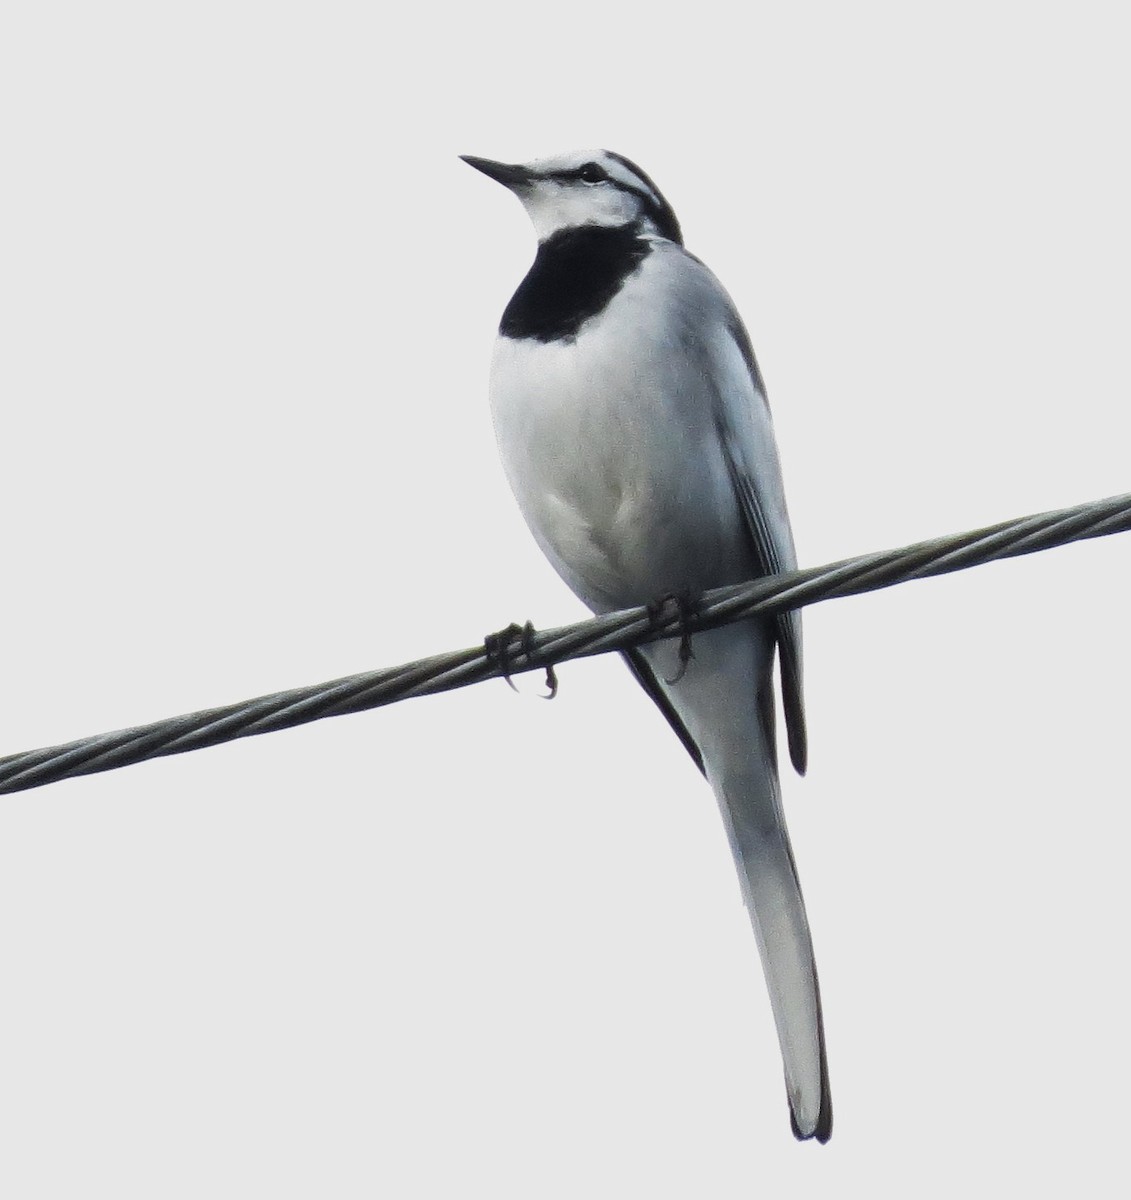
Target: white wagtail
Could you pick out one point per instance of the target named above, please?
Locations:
(634, 430)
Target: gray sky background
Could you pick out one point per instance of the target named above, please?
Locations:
(482, 944)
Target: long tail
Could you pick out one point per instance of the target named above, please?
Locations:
(722, 708)
(751, 807)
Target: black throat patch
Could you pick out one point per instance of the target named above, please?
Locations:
(575, 275)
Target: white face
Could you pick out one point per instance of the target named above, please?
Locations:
(555, 202)
(591, 187)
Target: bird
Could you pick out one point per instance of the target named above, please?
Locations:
(634, 430)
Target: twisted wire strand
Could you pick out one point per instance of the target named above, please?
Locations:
(613, 631)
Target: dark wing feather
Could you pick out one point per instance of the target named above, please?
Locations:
(646, 677)
(767, 555)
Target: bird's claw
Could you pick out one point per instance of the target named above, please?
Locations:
(686, 608)
(499, 648)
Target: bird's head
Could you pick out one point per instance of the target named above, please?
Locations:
(591, 187)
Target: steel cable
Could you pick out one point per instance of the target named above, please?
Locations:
(539, 650)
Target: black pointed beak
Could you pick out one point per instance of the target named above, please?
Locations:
(510, 175)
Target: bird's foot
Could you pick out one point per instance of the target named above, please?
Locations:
(500, 650)
(686, 608)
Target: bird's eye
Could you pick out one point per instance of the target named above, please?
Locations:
(592, 173)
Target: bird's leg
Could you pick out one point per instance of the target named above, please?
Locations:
(686, 609)
(499, 649)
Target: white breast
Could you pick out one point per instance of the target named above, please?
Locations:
(610, 444)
